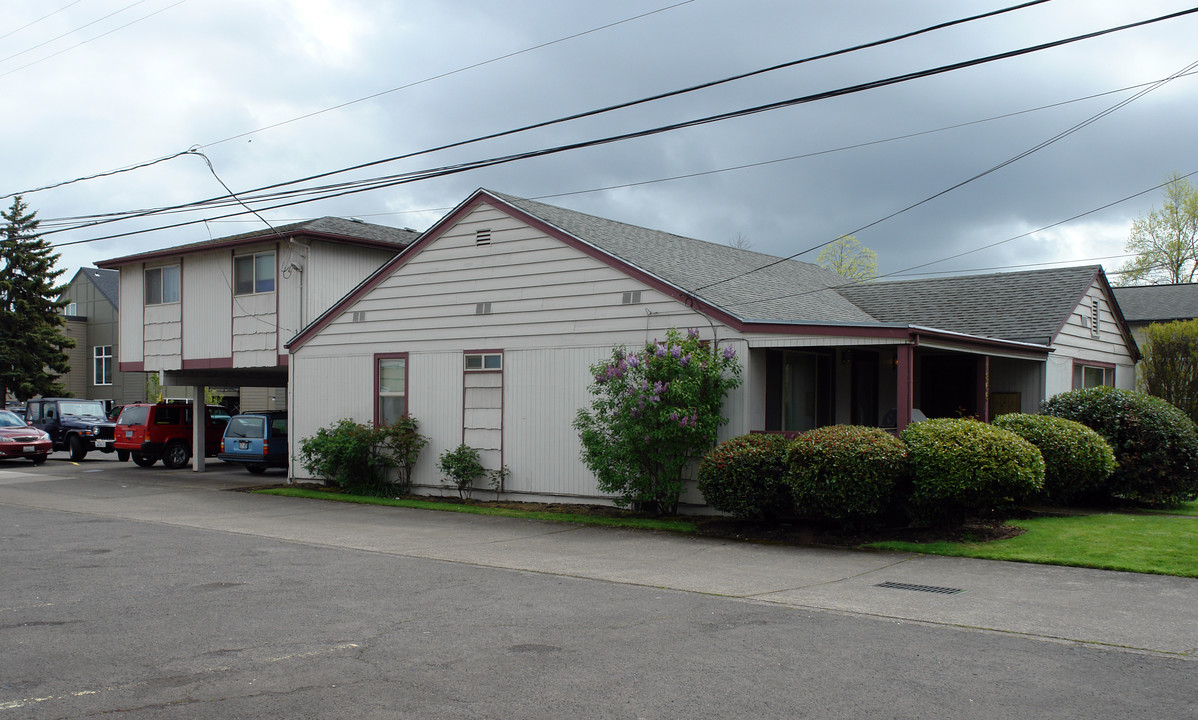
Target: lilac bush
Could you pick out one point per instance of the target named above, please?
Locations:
(653, 413)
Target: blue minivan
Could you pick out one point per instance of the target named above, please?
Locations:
(256, 440)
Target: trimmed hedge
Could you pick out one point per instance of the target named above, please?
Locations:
(843, 472)
(1077, 460)
(962, 467)
(1155, 444)
(744, 477)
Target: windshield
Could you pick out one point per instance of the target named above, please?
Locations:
(9, 419)
(82, 407)
(244, 426)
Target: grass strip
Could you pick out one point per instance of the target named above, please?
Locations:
(1160, 545)
(1190, 508)
(681, 526)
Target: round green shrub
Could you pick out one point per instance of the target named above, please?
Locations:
(744, 476)
(962, 467)
(842, 472)
(1077, 460)
(1155, 444)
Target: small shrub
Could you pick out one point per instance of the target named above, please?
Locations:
(1155, 444)
(960, 467)
(1077, 460)
(844, 472)
(744, 477)
(462, 467)
(404, 444)
(348, 454)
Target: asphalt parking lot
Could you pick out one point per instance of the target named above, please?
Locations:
(159, 593)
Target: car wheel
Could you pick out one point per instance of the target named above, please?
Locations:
(141, 460)
(77, 448)
(38, 459)
(122, 455)
(176, 455)
(256, 469)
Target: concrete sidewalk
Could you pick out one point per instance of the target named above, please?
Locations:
(1122, 610)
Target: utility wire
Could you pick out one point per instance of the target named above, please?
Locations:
(610, 108)
(99, 175)
(70, 32)
(35, 22)
(413, 176)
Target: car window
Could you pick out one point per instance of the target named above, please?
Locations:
(82, 408)
(134, 415)
(278, 427)
(34, 411)
(244, 426)
(10, 419)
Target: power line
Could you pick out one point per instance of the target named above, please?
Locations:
(70, 32)
(609, 108)
(352, 187)
(35, 22)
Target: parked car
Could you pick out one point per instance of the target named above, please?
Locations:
(19, 439)
(73, 424)
(149, 432)
(257, 440)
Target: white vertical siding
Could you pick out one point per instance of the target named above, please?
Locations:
(332, 270)
(206, 294)
(132, 299)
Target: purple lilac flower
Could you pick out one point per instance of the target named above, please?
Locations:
(686, 360)
(729, 352)
(676, 351)
(633, 361)
(660, 351)
(674, 416)
(692, 333)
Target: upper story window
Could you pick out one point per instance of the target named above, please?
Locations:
(71, 309)
(162, 285)
(254, 273)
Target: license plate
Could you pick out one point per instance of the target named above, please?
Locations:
(29, 448)
(243, 444)
(128, 433)
(101, 443)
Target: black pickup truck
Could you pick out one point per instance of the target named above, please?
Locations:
(79, 426)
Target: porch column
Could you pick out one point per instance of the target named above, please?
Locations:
(906, 385)
(983, 388)
(199, 427)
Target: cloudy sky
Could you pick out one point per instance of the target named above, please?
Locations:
(273, 91)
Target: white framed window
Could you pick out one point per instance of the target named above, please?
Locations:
(162, 285)
(1087, 375)
(102, 365)
(254, 273)
(71, 309)
(391, 388)
(478, 362)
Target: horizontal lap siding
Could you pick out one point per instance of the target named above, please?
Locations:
(255, 325)
(1076, 341)
(554, 312)
(163, 337)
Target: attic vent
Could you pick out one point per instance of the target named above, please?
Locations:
(632, 298)
(359, 316)
(482, 308)
(1094, 319)
(482, 237)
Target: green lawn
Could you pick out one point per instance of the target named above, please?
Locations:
(1190, 508)
(1160, 544)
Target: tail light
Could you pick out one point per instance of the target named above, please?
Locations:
(265, 447)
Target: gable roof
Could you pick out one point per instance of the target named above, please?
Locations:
(734, 280)
(1158, 303)
(1021, 306)
(333, 229)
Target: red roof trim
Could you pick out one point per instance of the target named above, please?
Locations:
(182, 250)
(207, 363)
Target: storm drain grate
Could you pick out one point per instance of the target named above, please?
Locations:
(920, 588)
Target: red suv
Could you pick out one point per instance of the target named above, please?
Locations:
(164, 430)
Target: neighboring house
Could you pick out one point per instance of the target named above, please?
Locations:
(93, 301)
(486, 327)
(217, 313)
(1143, 305)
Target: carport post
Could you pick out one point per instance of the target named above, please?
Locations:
(199, 427)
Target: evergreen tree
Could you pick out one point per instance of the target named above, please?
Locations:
(32, 341)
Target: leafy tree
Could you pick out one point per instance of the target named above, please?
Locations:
(1165, 241)
(32, 342)
(653, 414)
(846, 257)
(1169, 369)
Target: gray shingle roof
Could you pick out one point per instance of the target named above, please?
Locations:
(332, 226)
(108, 282)
(790, 291)
(1156, 303)
(1021, 306)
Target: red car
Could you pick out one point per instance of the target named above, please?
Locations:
(18, 439)
(149, 432)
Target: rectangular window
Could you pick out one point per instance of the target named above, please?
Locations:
(1088, 376)
(71, 310)
(162, 285)
(254, 273)
(102, 365)
(391, 379)
(484, 361)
